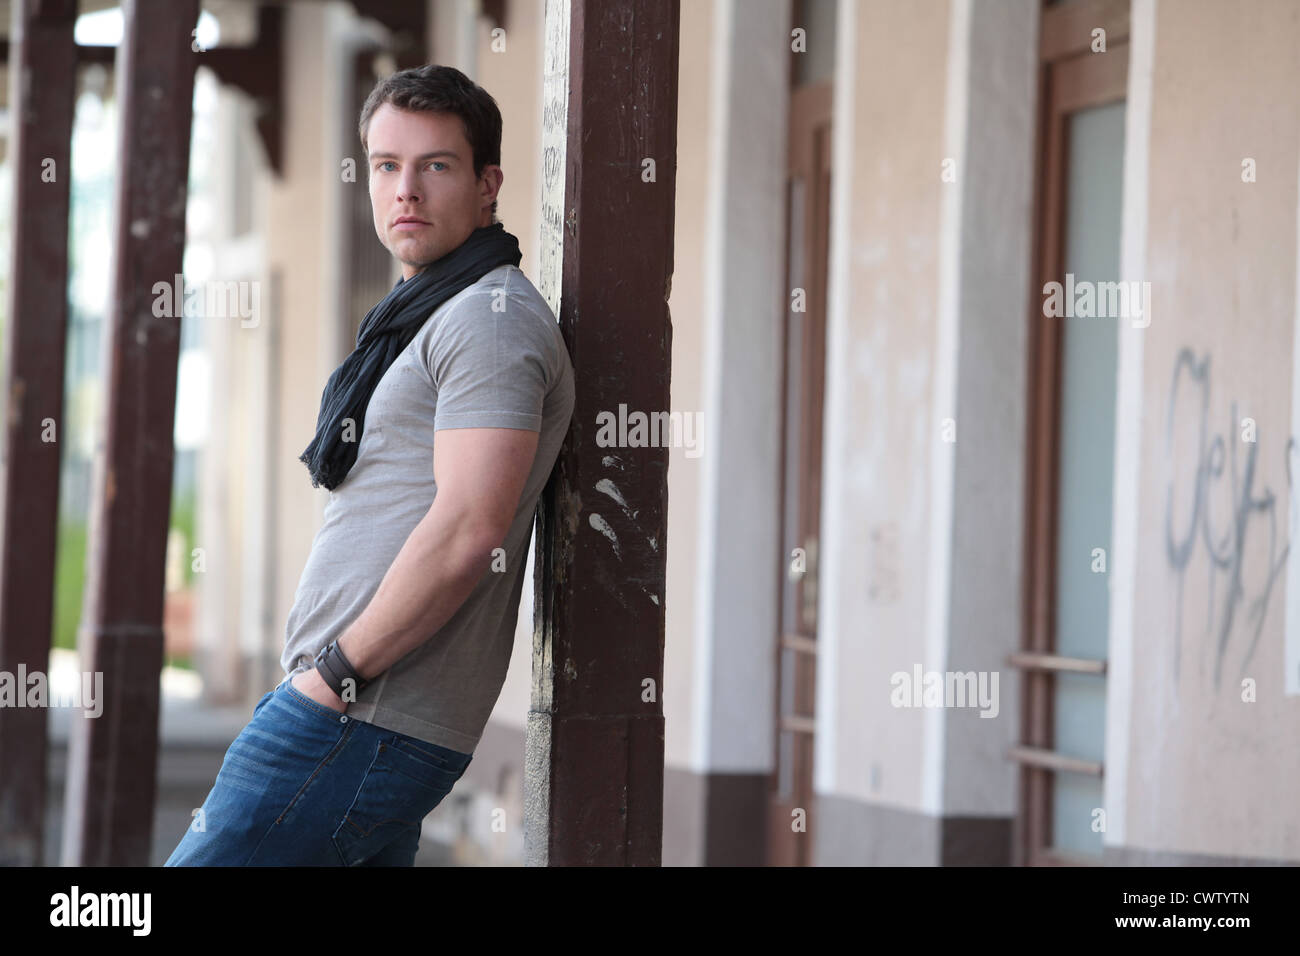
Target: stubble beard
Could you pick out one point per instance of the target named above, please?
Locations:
(416, 255)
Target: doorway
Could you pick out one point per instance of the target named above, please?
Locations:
(1071, 435)
(803, 378)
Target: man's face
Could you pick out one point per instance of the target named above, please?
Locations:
(423, 191)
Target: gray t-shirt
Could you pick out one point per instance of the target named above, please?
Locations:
(489, 357)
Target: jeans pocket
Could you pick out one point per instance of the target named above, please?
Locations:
(439, 758)
(307, 703)
(398, 791)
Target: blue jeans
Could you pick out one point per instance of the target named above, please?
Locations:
(306, 785)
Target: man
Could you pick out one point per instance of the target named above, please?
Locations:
(435, 438)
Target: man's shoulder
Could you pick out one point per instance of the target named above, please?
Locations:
(503, 299)
(506, 295)
(518, 290)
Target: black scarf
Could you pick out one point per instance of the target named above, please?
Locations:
(386, 330)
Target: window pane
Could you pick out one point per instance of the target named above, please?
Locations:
(1075, 798)
(1087, 435)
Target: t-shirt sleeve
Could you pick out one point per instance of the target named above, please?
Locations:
(491, 369)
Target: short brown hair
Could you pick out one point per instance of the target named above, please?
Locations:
(442, 89)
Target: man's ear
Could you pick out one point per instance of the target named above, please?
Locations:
(491, 181)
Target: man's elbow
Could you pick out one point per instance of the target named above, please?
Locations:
(476, 542)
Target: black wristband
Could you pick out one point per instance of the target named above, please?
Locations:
(334, 668)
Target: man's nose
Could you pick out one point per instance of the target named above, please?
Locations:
(408, 187)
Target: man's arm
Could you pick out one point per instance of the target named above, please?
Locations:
(480, 474)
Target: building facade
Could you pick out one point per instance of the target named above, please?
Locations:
(962, 569)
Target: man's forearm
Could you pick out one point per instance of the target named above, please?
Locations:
(437, 568)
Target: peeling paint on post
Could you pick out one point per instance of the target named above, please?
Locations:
(555, 116)
(595, 749)
(112, 762)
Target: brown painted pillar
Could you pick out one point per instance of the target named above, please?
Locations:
(595, 751)
(113, 759)
(41, 94)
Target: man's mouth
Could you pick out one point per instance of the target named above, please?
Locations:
(409, 223)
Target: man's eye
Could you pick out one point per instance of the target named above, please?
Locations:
(436, 163)
(385, 163)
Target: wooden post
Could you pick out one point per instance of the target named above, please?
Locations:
(595, 750)
(113, 759)
(42, 80)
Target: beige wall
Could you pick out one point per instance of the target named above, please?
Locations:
(882, 430)
(737, 535)
(1206, 771)
(297, 245)
(513, 77)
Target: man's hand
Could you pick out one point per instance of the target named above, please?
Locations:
(309, 683)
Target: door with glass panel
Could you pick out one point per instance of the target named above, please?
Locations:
(1074, 336)
(808, 185)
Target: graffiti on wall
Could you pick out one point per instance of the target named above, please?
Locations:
(1214, 508)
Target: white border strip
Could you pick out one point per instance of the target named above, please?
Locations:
(711, 393)
(943, 401)
(835, 422)
(1128, 422)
